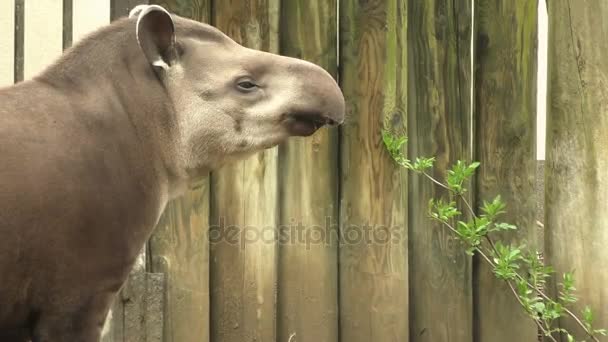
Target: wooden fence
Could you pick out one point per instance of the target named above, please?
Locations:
(370, 265)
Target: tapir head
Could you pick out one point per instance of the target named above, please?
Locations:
(229, 100)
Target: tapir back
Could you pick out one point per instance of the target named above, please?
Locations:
(70, 175)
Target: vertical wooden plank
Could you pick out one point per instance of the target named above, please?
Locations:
(505, 103)
(373, 211)
(43, 35)
(67, 23)
(179, 247)
(180, 250)
(308, 173)
(155, 303)
(440, 126)
(244, 271)
(133, 300)
(576, 195)
(87, 16)
(7, 43)
(18, 36)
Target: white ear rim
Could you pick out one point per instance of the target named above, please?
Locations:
(141, 11)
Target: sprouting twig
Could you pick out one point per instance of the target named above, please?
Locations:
(493, 248)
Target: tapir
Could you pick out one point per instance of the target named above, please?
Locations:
(93, 147)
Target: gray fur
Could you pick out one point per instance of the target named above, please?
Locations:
(94, 147)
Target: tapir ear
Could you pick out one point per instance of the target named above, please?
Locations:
(156, 35)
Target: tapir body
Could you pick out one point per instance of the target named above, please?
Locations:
(93, 148)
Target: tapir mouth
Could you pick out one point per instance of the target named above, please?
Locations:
(305, 124)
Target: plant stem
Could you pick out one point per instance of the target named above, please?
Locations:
(570, 313)
(493, 247)
(538, 324)
(435, 181)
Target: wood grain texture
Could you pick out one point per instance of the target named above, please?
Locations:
(308, 173)
(576, 198)
(155, 320)
(19, 39)
(373, 209)
(439, 125)
(505, 141)
(179, 246)
(68, 10)
(7, 43)
(244, 200)
(132, 296)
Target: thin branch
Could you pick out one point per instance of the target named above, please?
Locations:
(436, 181)
(545, 332)
(570, 313)
(538, 291)
(493, 247)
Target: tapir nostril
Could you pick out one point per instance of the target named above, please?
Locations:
(321, 100)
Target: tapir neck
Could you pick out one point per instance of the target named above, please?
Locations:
(115, 77)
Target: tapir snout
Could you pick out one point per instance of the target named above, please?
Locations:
(321, 101)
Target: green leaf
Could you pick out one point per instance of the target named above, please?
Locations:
(566, 293)
(539, 307)
(506, 260)
(504, 226)
(602, 332)
(394, 145)
(442, 211)
(467, 232)
(492, 209)
(459, 173)
(422, 164)
(588, 317)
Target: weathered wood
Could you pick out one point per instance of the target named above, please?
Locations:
(113, 328)
(244, 266)
(577, 151)
(133, 301)
(68, 10)
(373, 210)
(440, 126)
(19, 37)
(505, 141)
(179, 246)
(155, 320)
(137, 314)
(180, 249)
(308, 173)
(43, 34)
(7, 44)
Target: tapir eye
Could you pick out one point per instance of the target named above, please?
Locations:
(246, 85)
